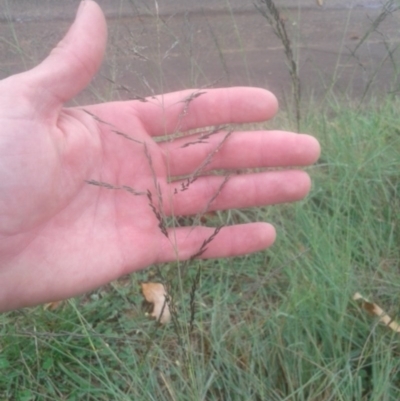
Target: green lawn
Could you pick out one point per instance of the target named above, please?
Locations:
(276, 325)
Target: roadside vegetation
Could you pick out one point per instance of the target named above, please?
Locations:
(277, 325)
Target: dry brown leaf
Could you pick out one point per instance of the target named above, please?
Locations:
(156, 294)
(374, 309)
(52, 305)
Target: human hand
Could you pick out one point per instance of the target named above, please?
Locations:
(60, 236)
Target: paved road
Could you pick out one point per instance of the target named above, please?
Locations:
(24, 10)
(223, 41)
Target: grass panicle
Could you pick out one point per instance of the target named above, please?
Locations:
(270, 12)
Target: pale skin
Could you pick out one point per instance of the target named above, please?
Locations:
(60, 236)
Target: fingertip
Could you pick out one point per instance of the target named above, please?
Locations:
(273, 105)
(89, 6)
(262, 104)
(317, 149)
(269, 234)
(72, 64)
(263, 235)
(307, 184)
(307, 149)
(304, 185)
(314, 148)
(295, 186)
(81, 7)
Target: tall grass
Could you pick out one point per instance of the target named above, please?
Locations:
(270, 12)
(276, 325)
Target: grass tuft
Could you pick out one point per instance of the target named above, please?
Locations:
(276, 325)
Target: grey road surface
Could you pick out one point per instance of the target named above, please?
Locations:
(189, 43)
(50, 9)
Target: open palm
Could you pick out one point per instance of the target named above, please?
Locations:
(84, 191)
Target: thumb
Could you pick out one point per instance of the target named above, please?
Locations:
(72, 63)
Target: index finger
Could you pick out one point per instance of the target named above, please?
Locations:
(189, 109)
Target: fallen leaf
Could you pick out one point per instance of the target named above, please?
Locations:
(320, 2)
(374, 309)
(52, 305)
(155, 293)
